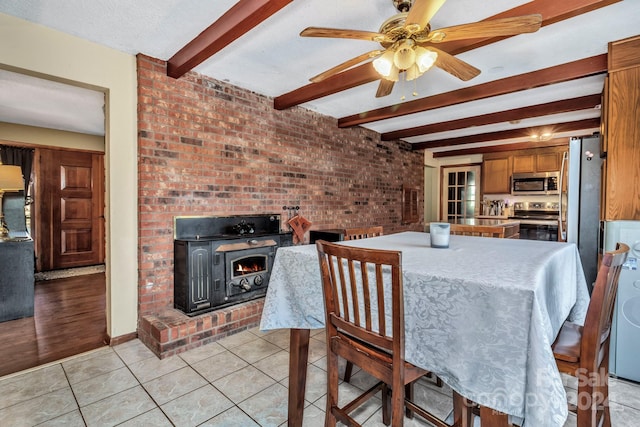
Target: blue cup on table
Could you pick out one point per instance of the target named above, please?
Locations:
(439, 233)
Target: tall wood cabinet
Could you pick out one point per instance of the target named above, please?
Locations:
(621, 130)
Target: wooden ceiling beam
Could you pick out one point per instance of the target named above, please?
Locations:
(556, 142)
(552, 11)
(509, 134)
(242, 17)
(557, 74)
(557, 107)
(353, 77)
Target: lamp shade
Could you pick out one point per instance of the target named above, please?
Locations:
(11, 178)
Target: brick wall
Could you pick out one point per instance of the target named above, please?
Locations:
(209, 148)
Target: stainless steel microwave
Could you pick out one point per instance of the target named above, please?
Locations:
(535, 183)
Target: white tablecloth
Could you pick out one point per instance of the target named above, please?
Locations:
(481, 314)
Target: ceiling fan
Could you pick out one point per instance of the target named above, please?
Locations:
(409, 44)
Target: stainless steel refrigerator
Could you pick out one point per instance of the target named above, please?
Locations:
(580, 203)
(625, 329)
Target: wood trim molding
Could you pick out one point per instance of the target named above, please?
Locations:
(113, 341)
(552, 11)
(556, 74)
(557, 142)
(563, 106)
(241, 18)
(578, 125)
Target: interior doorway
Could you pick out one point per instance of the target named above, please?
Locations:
(460, 192)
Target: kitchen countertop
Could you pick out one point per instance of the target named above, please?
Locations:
(494, 222)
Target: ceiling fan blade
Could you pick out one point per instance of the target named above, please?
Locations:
(345, 65)
(343, 34)
(421, 13)
(384, 88)
(493, 28)
(454, 66)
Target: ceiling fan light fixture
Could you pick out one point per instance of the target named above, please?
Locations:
(405, 56)
(394, 74)
(425, 58)
(384, 64)
(413, 72)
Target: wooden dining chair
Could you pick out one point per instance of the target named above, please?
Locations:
(355, 234)
(583, 351)
(363, 232)
(478, 230)
(367, 329)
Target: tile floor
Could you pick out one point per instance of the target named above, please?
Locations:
(238, 381)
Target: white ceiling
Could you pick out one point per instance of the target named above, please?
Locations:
(272, 59)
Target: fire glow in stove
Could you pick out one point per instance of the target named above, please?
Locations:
(221, 261)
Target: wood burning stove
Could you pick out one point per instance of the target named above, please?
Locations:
(220, 261)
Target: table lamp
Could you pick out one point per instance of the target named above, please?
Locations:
(10, 181)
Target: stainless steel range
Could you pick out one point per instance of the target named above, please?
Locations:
(538, 220)
(220, 261)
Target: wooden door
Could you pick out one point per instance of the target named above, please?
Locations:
(70, 200)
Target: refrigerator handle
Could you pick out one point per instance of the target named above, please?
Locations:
(561, 231)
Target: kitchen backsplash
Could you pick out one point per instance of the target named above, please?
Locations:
(501, 205)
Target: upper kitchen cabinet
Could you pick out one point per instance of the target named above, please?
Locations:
(496, 174)
(538, 160)
(622, 180)
(498, 167)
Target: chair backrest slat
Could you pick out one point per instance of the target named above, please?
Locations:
(363, 232)
(359, 285)
(597, 325)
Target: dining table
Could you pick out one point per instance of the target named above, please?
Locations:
(481, 315)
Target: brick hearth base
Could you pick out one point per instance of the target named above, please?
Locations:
(170, 331)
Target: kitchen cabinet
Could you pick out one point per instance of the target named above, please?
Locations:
(550, 161)
(524, 163)
(498, 167)
(622, 139)
(496, 175)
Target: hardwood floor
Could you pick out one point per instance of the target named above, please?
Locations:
(69, 319)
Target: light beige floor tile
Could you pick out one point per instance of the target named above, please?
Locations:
(313, 417)
(203, 352)
(433, 401)
(276, 365)
(174, 384)
(624, 416)
(243, 383)
(31, 384)
(625, 393)
(317, 350)
(233, 417)
(255, 350)
(279, 337)
(322, 364)
(316, 383)
(237, 339)
(118, 408)
(346, 394)
(40, 409)
(154, 418)
(89, 355)
(105, 385)
(148, 369)
(196, 407)
(219, 366)
(100, 364)
(133, 351)
(70, 419)
(269, 407)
